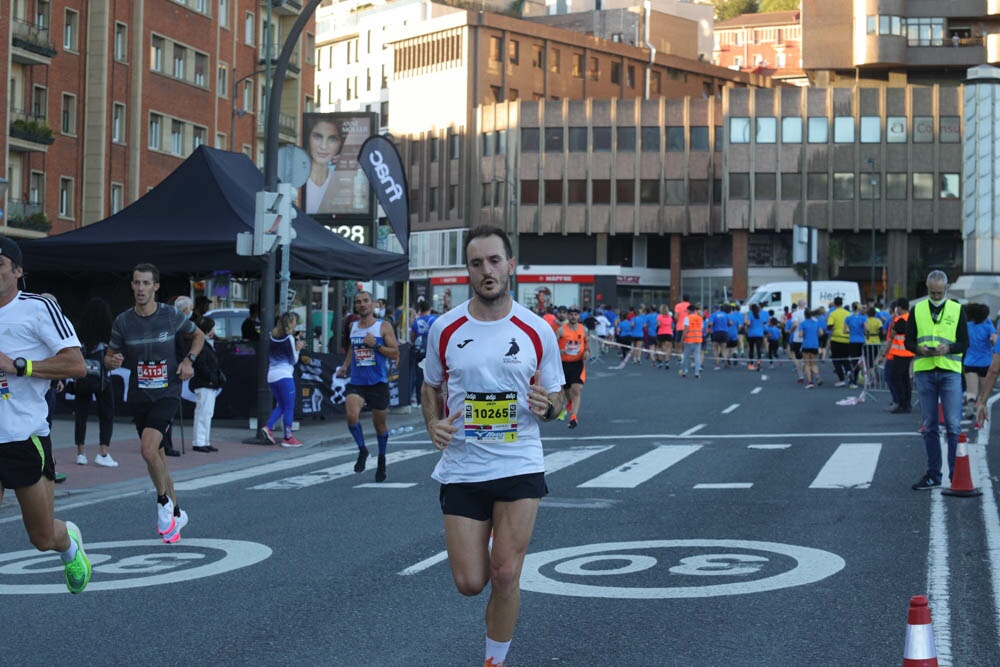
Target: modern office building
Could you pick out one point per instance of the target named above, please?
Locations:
(105, 99)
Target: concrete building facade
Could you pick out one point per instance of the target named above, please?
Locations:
(768, 43)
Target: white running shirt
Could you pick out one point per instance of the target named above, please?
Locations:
(33, 327)
(485, 369)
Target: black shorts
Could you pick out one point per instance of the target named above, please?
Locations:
(664, 338)
(720, 337)
(978, 370)
(575, 372)
(732, 343)
(796, 349)
(475, 500)
(157, 415)
(625, 340)
(823, 338)
(375, 395)
(23, 463)
(810, 350)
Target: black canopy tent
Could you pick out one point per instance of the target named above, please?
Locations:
(188, 224)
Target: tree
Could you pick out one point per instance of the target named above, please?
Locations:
(778, 5)
(727, 9)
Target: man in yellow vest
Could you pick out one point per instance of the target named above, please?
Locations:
(937, 333)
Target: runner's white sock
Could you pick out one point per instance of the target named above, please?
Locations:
(496, 653)
(68, 555)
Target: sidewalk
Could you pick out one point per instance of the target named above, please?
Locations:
(227, 435)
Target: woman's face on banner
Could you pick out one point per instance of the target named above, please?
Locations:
(325, 142)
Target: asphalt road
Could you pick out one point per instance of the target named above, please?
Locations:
(737, 519)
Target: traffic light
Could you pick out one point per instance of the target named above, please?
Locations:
(266, 221)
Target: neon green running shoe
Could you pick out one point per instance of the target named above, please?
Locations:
(77, 570)
(562, 416)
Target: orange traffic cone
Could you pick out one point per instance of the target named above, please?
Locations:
(961, 476)
(919, 650)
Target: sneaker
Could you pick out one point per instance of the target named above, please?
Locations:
(801, 380)
(562, 416)
(852, 386)
(380, 469)
(572, 422)
(165, 517)
(81, 459)
(697, 376)
(716, 368)
(359, 465)
(174, 536)
(77, 570)
(839, 383)
(290, 442)
(682, 374)
(810, 386)
(205, 449)
(268, 434)
(59, 478)
(103, 460)
(926, 482)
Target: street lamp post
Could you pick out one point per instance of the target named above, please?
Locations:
(873, 182)
(233, 113)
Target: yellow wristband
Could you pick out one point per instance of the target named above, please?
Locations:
(27, 368)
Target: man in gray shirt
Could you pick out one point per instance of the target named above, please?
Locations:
(143, 340)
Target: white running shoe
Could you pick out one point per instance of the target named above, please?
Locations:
(105, 460)
(81, 459)
(174, 535)
(165, 517)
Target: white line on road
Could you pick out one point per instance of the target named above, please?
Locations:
(852, 466)
(756, 390)
(567, 457)
(775, 446)
(725, 485)
(990, 515)
(264, 469)
(938, 572)
(690, 431)
(730, 408)
(425, 563)
(641, 468)
(336, 472)
(385, 485)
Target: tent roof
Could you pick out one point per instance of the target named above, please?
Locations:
(189, 222)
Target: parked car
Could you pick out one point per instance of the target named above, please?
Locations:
(229, 322)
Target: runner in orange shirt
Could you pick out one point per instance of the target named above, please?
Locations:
(573, 348)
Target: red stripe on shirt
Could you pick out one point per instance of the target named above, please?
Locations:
(442, 354)
(536, 340)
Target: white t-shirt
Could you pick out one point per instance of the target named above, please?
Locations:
(603, 325)
(485, 369)
(797, 318)
(32, 327)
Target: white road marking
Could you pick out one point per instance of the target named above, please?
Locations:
(730, 408)
(336, 472)
(756, 390)
(775, 446)
(264, 469)
(938, 571)
(567, 457)
(641, 468)
(385, 485)
(991, 517)
(725, 485)
(425, 563)
(852, 466)
(691, 431)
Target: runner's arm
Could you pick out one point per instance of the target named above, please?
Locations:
(390, 344)
(66, 363)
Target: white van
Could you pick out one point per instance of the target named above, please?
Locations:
(776, 296)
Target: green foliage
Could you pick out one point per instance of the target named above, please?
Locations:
(778, 5)
(34, 128)
(727, 9)
(38, 222)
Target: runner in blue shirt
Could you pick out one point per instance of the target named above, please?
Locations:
(755, 322)
(773, 332)
(623, 332)
(733, 332)
(810, 347)
(977, 358)
(855, 325)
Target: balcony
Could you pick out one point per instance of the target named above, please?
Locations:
(29, 133)
(27, 215)
(30, 43)
(284, 7)
(288, 127)
(293, 63)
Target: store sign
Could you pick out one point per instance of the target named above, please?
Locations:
(627, 280)
(450, 280)
(555, 278)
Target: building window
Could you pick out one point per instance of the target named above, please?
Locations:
(223, 13)
(791, 130)
(699, 138)
(626, 139)
(486, 195)
(698, 191)
(601, 139)
(220, 140)
(649, 191)
(675, 193)
(495, 45)
(453, 197)
(36, 188)
(68, 116)
(71, 30)
(625, 191)
(577, 140)
(529, 139)
(843, 185)
(576, 191)
(866, 189)
(923, 129)
(951, 130)
(895, 186)
(843, 130)
(767, 130)
(630, 76)
(554, 191)
(655, 87)
(817, 187)
(594, 70)
(818, 130)
(791, 187)
(675, 139)
(764, 186)
(249, 28)
(739, 130)
(554, 64)
(180, 59)
(650, 139)
(432, 197)
(454, 146)
(155, 130)
(950, 186)
(600, 191)
(222, 80)
(529, 192)
(117, 197)
(176, 137)
(66, 197)
(578, 65)
(739, 186)
(871, 130)
(118, 123)
(537, 57)
(198, 137)
(200, 69)
(616, 73)
(121, 42)
(553, 141)
(513, 52)
(156, 54)
(923, 185)
(895, 129)
(435, 149)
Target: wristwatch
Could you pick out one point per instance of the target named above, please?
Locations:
(192, 357)
(20, 366)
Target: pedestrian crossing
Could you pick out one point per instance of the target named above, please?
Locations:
(849, 466)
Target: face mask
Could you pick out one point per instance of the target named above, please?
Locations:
(377, 312)
(937, 304)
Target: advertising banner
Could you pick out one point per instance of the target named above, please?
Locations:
(337, 189)
(381, 162)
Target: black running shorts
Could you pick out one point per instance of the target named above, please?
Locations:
(475, 500)
(375, 395)
(23, 463)
(574, 372)
(157, 415)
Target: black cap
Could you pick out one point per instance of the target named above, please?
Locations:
(10, 250)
